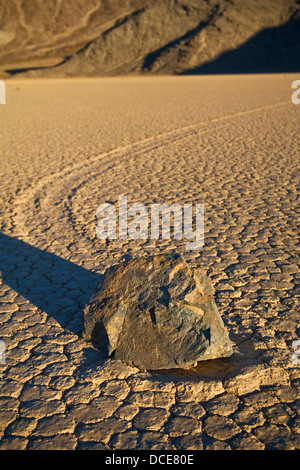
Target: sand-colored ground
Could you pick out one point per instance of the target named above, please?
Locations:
(67, 146)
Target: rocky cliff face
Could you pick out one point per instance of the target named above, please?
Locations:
(38, 34)
(92, 38)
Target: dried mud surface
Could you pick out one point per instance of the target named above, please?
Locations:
(92, 38)
(67, 146)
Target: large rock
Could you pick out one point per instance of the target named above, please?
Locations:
(156, 313)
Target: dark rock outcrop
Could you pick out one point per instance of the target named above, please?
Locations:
(156, 313)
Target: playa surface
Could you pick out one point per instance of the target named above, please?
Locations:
(69, 145)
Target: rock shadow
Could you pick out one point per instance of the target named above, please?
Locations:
(54, 285)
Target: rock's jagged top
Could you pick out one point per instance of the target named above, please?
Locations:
(156, 313)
